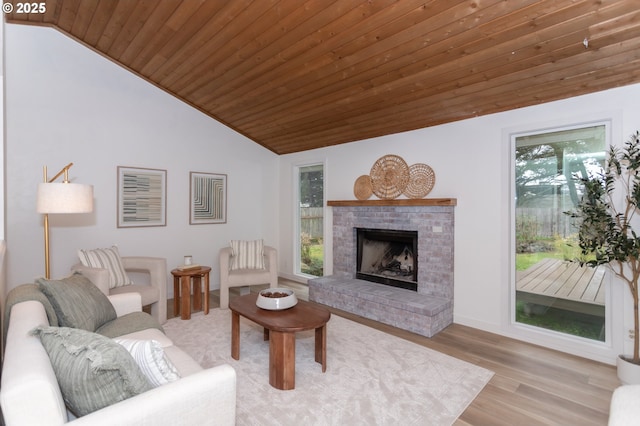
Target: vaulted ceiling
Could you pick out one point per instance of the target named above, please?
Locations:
(294, 75)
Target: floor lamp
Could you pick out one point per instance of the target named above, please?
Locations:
(64, 197)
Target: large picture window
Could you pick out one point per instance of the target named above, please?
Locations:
(550, 292)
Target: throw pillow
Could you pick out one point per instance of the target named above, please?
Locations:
(247, 254)
(109, 259)
(93, 371)
(78, 302)
(151, 360)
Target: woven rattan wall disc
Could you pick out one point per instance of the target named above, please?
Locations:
(421, 181)
(389, 177)
(362, 187)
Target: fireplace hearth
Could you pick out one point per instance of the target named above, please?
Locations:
(388, 257)
(428, 309)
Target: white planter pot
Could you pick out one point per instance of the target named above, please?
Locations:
(628, 373)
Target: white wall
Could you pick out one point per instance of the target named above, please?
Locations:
(471, 162)
(65, 104)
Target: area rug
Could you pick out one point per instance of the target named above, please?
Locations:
(372, 378)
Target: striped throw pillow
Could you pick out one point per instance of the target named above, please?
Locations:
(151, 359)
(109, 259)
(247, 254)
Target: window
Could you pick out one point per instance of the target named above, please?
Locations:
(551, 293)
(310, 220)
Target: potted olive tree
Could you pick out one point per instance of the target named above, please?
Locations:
(605, 231)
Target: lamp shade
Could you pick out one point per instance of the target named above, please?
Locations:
(64, 198)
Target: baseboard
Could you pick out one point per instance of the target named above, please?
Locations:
(294, 278)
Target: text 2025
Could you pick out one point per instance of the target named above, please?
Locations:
(31, 7)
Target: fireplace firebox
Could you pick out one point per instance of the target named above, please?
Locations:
(388, 257)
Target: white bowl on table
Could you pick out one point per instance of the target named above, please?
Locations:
(276, 299)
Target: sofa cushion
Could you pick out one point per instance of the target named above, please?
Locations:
(151, 359)
(185, 364)
(93, 371)
(109, 259)
(129, 323)
(78, 302)
(247, 254)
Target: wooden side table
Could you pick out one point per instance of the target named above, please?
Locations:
(182, 280)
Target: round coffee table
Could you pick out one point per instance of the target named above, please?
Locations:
(280, 329)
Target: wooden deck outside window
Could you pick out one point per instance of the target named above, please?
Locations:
(563, 285)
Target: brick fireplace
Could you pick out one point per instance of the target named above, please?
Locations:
(425, 311)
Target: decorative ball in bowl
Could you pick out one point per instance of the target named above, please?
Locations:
(276, 299)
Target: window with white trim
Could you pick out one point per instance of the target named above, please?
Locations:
(550, 292)
(310, 220)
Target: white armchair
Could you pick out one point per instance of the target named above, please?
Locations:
(246, 277)
(153, 293)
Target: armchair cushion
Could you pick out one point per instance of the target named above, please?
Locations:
(148, 293)
(109, 259)
(153, 362)
(77, 302)
(93, 371)
(247, 254)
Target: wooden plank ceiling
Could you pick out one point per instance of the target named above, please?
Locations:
(294, 75)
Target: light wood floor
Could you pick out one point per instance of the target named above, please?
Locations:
(531, 386)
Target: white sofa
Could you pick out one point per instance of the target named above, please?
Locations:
(625, 406)
(30, 395)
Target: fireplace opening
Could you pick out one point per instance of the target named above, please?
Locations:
(388, 257)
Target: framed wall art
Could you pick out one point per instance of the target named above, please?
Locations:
(142, 197)
(208, 203)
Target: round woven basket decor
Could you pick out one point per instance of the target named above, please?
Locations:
(389, 177)
(362, 187)
(421, 181)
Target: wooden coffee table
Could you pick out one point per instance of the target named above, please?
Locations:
(280, 329)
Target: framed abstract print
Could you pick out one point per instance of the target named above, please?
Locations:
(142, 197)
(208, 200)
